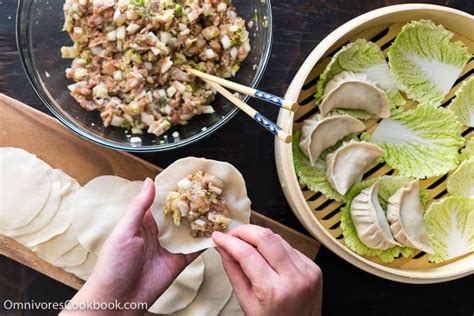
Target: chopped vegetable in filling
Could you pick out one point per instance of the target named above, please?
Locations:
(199, 204)
(130, 58)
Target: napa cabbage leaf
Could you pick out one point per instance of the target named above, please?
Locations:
(421, 142)
(463, 103)
(450, 227)
(425, 63)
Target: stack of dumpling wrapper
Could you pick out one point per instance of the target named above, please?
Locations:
(66, 225)
(385, 217)
(36, 210)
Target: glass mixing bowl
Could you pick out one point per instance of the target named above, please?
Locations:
(40, 38)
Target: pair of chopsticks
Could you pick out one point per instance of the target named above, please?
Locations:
(218, 84)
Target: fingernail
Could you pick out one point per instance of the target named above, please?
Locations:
(217, 235)
(146, 184)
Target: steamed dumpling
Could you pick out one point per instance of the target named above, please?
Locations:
(405, 216)
(354, 91)
(318, 134)
(369, 219)
(348, 163)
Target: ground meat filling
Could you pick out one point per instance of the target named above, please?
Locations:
(199, 204)
(130, 58)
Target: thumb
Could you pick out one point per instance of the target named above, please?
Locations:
(133, 217)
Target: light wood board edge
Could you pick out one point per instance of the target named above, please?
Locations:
(16, 251)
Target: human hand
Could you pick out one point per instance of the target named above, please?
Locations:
(132, 266)
(268, 275)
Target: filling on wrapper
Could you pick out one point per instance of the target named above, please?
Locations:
(199, 204)
(178, 239)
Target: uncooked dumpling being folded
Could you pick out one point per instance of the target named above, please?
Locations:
(194, 197)
(369, 219)
(354, 91)
(405, 215)
(348, 163)
(318, 134)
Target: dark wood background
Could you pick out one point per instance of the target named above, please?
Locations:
(298, 27)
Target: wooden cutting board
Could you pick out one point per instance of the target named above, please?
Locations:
(24, 127)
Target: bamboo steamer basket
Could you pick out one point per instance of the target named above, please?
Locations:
(321, 216)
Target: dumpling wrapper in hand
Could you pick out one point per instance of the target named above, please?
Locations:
(370, 221)
(348, 163)
(318, 134)
(178, 239)
(354, 91)
(405, 215)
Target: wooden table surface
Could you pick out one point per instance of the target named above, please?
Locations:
(298, 27)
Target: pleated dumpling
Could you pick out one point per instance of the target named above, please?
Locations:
(405, 216)
(370, 221)
(318, 133)
(348, 163)
(348, 90)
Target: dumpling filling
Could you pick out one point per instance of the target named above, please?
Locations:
(199, 204)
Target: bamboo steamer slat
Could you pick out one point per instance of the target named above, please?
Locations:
(320, 215)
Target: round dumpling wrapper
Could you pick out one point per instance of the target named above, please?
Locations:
(72, 258)
(25, 187)
(47, 212)
(62, 220)
(178, 239)
(84, 270)
(56, 247)
(98, 207)
(182, 291)
(215, 290)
